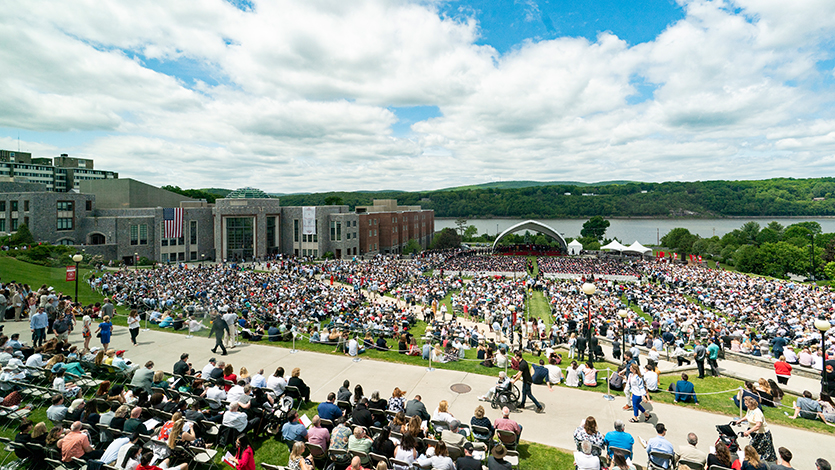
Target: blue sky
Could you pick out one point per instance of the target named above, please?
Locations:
(311, 95)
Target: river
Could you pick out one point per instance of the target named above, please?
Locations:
(646, 231)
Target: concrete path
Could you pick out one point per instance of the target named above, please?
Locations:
(564, 408)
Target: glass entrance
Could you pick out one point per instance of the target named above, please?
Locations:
(239, 239)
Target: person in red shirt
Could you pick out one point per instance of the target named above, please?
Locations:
(229, 374)
(783, 370)
(244, 459)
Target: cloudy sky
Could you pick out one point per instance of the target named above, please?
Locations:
(319, 95)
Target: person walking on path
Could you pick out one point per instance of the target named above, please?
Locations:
(104, 330)
(638, 389)
(231, 319)
(699, 354)
(219, 328)
(525, 374)
(712, 357)
(133, 326)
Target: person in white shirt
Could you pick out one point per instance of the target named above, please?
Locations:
(277, 382)
(502, 383)
(585, 460)
(35, 360)
(231, 320)
(651, 379)
(258, 380)
(111, 453)
(236, 392)
(554, 373)
(235, 419)
(216, 393)
(207, 369)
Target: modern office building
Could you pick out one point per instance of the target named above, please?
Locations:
(386, 227)
(61, 174)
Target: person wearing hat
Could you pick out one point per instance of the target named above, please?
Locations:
(496, 460)
(467, 461)
(119, 361)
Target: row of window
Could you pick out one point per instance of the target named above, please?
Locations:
(313, 253)
(139, 234)
(192, 235)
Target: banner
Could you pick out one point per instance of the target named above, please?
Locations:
(173, 220)
(308, 220)
(70, 273)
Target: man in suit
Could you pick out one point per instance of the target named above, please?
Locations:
(144, 377)
(417, 408)
(219, 329)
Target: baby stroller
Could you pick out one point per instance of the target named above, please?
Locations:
(508, 397)
(728, 436)
(276, 417)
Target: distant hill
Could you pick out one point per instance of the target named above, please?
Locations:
(219, 192)
(530, 184)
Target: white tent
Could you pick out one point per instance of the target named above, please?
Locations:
(575, 247)
(638, 248)
(615, 245)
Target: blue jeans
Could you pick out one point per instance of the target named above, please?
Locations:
(636, 405)
(526, 392)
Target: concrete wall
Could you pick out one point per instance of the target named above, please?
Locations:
(130, 194)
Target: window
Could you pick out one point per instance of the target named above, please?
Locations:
(370, 232)
(14, 206)
(182, 241)
(181, 256)
(193, 233)
(65, 223)
(143, 234)
(89, 205)
(26, 206)
(163, 240)
(164, 257)
(336, 231)
(2, 206)
(315, 253)
(2, 225)
(14, 225)
(271, 232)
(26, 221)
(134, 234)
(295, 230)
(62, 206)
(193, 256)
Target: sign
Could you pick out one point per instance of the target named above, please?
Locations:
(70, 273)
(308, 220)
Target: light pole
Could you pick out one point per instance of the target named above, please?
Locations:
(78, 257)
(203, 259)
(622, 313)
(823, 326)
(136, 261)
(589, 289)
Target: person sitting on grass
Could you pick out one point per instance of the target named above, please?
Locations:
(808, 408)
(684, 390)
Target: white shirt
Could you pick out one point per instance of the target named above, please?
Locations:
(277, 384)
(234, 393)
(235, 419)
(216, 393)
(554, 373)
(35, 360)
(207, 370)
(586, 461)
(651, 380)
(112, 451)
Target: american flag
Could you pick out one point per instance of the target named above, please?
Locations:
(173, 219)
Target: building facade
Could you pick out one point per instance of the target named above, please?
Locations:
(246, 224)
(386, 227)
(61, 174)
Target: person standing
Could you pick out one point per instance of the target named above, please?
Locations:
(712, 357)
(699, 354)
(104, 330)
(758, 430)
(219, 328)
(525, 374)
(38, 324)
(783, 370)
(133, 325)
(17, 302)
(231, 319)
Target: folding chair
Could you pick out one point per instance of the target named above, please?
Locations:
(379, 458)
(689, 465)
(455, 452)
(718, 467)
(317, 453)
(482, 434)
(659, 456)
(513, 459)
(507, 438)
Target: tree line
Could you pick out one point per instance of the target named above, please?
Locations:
(761, 198)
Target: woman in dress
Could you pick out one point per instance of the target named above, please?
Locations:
(104, 330)
(587, 431)
(296, 461)
(396, 402)
(133, 326)
(758, 431)
(244, 456)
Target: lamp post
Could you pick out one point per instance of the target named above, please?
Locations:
(823, 326)
(78, 257)
(203, 259)
(589, 289)
(622, 313)
(136, 261)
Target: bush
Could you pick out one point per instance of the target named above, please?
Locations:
(328, 255)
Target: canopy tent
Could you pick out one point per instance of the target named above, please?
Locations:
(638, 248)
(575, 247)
(614, 245)
(535, 226)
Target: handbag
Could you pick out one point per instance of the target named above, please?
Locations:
(98, 335)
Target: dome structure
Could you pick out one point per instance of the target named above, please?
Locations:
(248, 193)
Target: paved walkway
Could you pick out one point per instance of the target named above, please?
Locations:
(564, 408)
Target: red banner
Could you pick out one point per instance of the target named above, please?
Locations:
(70, 273)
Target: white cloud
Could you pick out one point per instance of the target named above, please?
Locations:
(296, 94)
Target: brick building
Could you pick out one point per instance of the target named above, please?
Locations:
(386, 227)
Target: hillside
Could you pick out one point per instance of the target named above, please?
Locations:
(778, 197)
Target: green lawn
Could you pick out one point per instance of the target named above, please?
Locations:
(723, 404)
(540, 308)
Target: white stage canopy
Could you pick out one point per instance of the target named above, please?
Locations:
(638, 248)
(614, 245)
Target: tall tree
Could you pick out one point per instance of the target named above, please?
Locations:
(595, 228)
